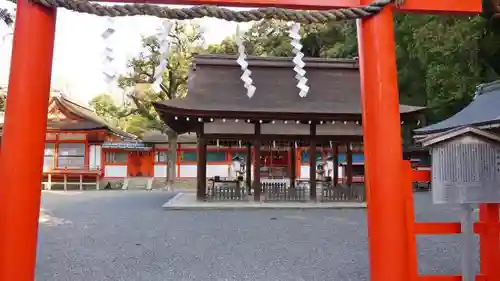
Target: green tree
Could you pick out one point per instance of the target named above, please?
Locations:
(441, 59)
(264, 38)
(137, 114)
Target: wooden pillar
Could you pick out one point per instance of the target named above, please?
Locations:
(489, 244)
(336, 165)
(249, 168)
(387, 231)
(293, 164)
(348, 157)
(256, 167)
(201, 169)
(312, 160)
(23, 139)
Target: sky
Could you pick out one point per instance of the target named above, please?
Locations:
(79, 49)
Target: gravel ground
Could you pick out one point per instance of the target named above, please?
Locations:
(126, 236)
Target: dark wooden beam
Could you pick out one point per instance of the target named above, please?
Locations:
(256, 167)
(312, 161)
(348, 157)
(249, 168)
(336, 164)
(293, 164)
(320, 139)
(201, 166)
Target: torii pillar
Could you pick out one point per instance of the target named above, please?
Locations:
(387, 232)
(23, 139)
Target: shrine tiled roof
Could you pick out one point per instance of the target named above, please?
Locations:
(483, 112)
(215, 88)
(90, 120)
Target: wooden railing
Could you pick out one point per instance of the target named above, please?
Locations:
(72, 177)
(274, 190)
(223, 189)
(282, 191)
(343, 193)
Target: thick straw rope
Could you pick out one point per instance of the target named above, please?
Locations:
(299, 16)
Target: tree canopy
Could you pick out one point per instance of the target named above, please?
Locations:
(136, 114)
(441, 59)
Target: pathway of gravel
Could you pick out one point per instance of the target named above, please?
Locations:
(127, 236)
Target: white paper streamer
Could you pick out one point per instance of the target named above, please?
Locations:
(294, 34)
(242, 61)
(109, 56)
(10, 28)
(163, 35)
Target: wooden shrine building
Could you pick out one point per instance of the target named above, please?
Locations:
(483, 112)
(276, 122)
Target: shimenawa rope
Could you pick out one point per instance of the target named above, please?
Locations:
(299, 16)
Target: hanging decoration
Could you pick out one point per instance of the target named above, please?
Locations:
(164, 35)
(299, 64)
(8, 19)
(109, 56)
(242, 61)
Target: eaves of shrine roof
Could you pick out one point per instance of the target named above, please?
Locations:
(483, 112)
(159, 137)
(89, 119)
(215, 90)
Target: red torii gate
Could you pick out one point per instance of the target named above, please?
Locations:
(389, 216)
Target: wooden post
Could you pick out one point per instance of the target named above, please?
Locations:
(336, 164)
(25, 128)
(248, 170)
(50, 181)
(312, 161)
(489, 242)
(387, 232)
(348, 158)
(201, 176)
(293, 164)
(256, 167)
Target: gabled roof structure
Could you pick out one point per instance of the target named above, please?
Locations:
(75, 117)
(215, 91)
(80, 117)
(457, 132)
(482, 112)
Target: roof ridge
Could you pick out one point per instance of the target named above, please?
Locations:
(485, 88)
(74, 102)
(274, 61)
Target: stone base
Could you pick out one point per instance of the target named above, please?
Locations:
(187, 201)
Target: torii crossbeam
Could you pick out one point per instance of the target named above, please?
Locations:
(26, 120)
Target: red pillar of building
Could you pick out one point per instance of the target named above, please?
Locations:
(387, 231)
(23, 139)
